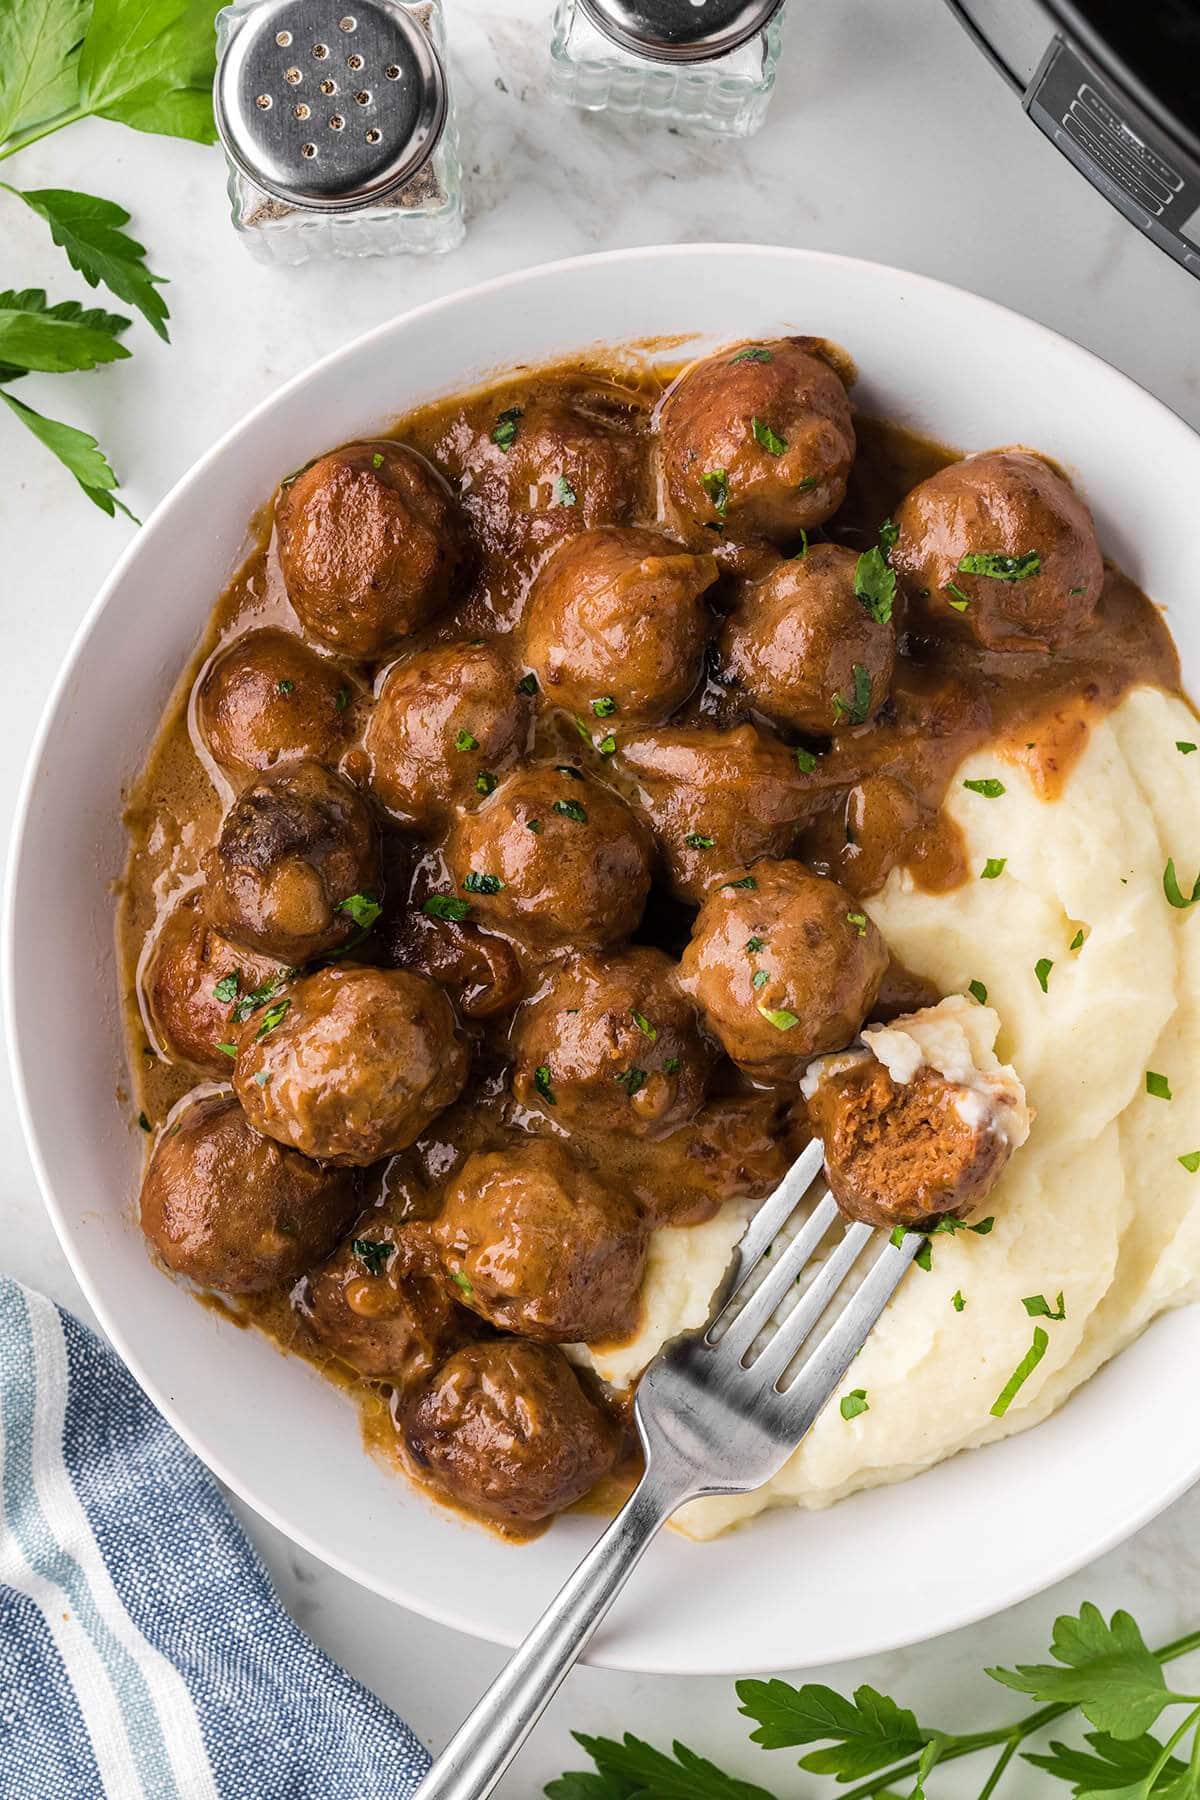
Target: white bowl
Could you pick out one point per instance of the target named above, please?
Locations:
(791, 1589)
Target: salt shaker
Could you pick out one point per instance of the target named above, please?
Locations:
(705, 64)
(338, 128)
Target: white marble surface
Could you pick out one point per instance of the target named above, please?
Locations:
(890, 138)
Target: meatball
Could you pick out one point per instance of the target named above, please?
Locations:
(1000, 548)
(506, 1429)
(195, 983)
(738, 1147)
(611, 1043)
(554, 858)
(783, 965)
(268, 697)
(805, 648)
(380, 1306)
(716, 800)
(352, 1065)
(446, 722)
(481, 972)
(233, 1211)
(616, 624)
(297, 854)
(539, 1246)
(371, 541)
(756, 443)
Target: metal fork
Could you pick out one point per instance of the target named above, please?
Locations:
(715, 1415)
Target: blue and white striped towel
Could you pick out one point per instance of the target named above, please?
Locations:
(143, 1654)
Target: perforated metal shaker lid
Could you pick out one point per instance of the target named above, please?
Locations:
(680, 30)
(329, 104)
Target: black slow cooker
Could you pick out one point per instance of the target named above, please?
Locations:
(1115, 84)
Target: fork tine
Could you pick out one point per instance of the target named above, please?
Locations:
(775, 1211)
(778, 1281)
(795, 1329)
(841, 1344)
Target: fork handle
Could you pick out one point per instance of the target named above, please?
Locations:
(485, 1744)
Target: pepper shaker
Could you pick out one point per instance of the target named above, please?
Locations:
(705, 64)
(338, 128)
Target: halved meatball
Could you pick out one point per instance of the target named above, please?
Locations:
(380, 1305)
(554, 858)
(716, 799)
(538, 1245)
(371, 541)
(506, 1429)
(352, 1064)
(783, 964)
(481, 972)
(616, 626)
(298, 852)
(804, 647)
(999, 547)
(447, 722)
(195, 983)
(268, 697)
(610, 1042)
(233, 1211)
(755, 443)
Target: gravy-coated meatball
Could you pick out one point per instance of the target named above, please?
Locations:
(294, 848)
(612, 1043)
(616, 621)
(554, 859)
(478, 969)
(268, 697)
(446, 722)
(1034, 571)
(371, 540)
(539, 1246)
(233, 1211)
(716, 799)
(380, 1305)
(756, 443)
(187, 964)
(799, 638)
(822, 957)
(353, 1065)
(506, 1429)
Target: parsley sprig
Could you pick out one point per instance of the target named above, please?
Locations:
(1100, 1668)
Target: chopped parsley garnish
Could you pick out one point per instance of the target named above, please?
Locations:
(372, 1254)
(802, 552)
(341, 699)
(977, 991)
(528, 684)
(1157, 1085)
(924, 1257)
(571, 809)
(1080, 590)
(1183, 747)
(875, 585)
(859, 922)
(1191, 1161)
(144, 1122)
(746, 881)
(362, 909)
(1021, 1373)
(285, 687)
(607, 745)
(696, 840)
(889, 533)
(806, 762)
(482, 884)
(564, 493)
(486, 783)
(460, 1280)
(541, 1081)
(227, 1049)
(504, 432)
(570, 770)
(671, 1066)
(1041, 969)
(632, 1080)
(958, 600)
(272, 1017)
(855, 711)
(1174, 892)
(957, 1301)
(534, 825)
(754, 944)
(257, 997)
(262, 1078)
(581, 726)
(715, 483)
(992, 867)
(998, 567)
(1038, 1307)
(952, 1227)
(466, 740)
(604, 707)
(899, 1233)
(446, 906)
(770, 441)
(989, 787)
(227, 988)
(854, 1403)
(761, 978)
(756, 354)
(779, 1017)
(1077, 940)
(377, 460)
(643, 1024)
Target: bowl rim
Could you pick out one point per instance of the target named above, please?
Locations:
(949, 1619)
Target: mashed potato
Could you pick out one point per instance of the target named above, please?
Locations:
(1097, 1204)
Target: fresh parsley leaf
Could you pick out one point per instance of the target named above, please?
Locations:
(992, 867)
(715, 483)
(1190, 1161)
(769, 440)
(466, 740)
(461, 1281)
(372, 1253)
(761, 978)
(271, 1018)
(745, 881)
(1116, 1768)
(377, 459)
(585, 1785)
(671, 1066)
(958, 600)
(342, 700)
(528, 684)
(571, 809)
(482, 884)
(1106, 1670)
(865, 1733)
(229, 1050)
(1021, 1373)
(541, 1081)
(1184, 748)
(285, 687)
(755, 944)
(875, 585)
(977, 991)
(446, 906)
(504, 432)
(643, 1024)
(1172, 890)
(632, 1080)
(257, 997)
(1041, 969)
(144, 1122)
(854, 1403)
(78, 452)
(485, 783)
(889, 536)
(151, 66)
(262, 1078)
(564, 493)
(1077, 941)
(855, 711)
(39, 50)
(696, 840)
(607, 745)
(56, 339)
(957, 1301)
(859, 922)
(779, 1017)
(226, 990)
(998, 567)
(604, 707)
(989, 787)
(362, 909)
(534, 825)
(952, 1227)
(1038, 1307)
(756, 355)
(802, 552)
(653, 1775)
(806, 762)
(89, 230)
(570, 770)
(1157, 1085)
